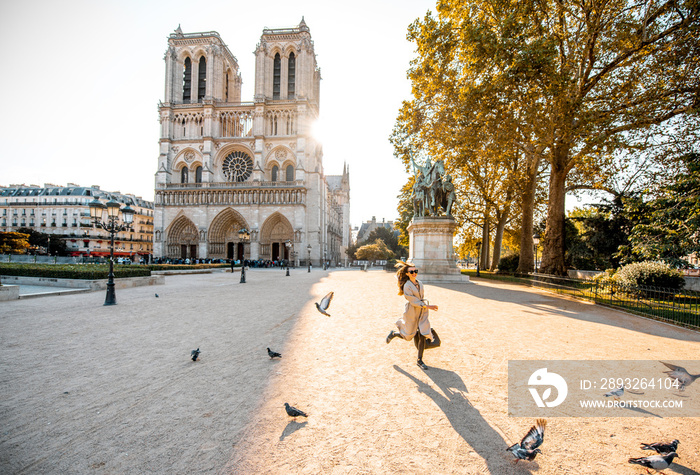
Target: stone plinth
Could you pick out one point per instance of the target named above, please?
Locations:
(430, 250)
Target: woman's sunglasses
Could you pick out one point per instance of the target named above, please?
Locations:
(412, 271)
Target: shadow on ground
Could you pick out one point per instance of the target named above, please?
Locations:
(468, 422)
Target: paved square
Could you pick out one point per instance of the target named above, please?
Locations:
(91, 389)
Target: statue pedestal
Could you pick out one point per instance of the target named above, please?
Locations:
(431, 251)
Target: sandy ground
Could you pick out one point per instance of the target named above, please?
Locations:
(91, 389)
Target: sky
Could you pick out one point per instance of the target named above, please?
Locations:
(82, 81)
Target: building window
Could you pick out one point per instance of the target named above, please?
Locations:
(238, 166)
(291, 68)
(183, 175)
(198, 175)
(273, 175)
(290, 173)
(187, 81)
(202, 79)
(226, 88)
(276, 76)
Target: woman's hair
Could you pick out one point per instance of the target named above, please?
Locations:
(402, 273)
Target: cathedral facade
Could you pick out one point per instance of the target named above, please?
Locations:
(245, 180)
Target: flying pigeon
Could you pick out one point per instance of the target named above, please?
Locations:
(616, 393)
(527, 448)
(293, 411)
(657, 462)
(195, 354)
(662, 447)
(273, 354)
(681, 375)
(325, 302)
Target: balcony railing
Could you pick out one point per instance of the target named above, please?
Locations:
(228, 185)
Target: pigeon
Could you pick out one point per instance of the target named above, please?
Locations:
(273, 354)
(293, 411)
(156, 295)
(527, 448)
(616, 393)
(657, 462)
(195, 354)
(662, 447)
(681, 375)
(325, 302)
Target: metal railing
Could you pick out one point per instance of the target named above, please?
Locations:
(680, 307)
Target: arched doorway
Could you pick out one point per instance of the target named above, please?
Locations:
(275, 232)
(223, 236)
(182, 239)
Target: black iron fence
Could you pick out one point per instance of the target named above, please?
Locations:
(678, 307)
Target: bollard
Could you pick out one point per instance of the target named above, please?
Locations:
(242, 274)
(287, 271)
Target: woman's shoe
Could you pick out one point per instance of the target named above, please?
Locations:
(421, 365)
(392, 334)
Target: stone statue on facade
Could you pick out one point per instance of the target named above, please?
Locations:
(433, 190)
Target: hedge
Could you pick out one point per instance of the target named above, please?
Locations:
(72, 271)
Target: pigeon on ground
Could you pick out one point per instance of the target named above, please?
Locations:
(293, 411)
(527, 448)
(325, 302)
(616, 393)
(195, 354)
(273, 354)
(657, 462)
(662, 447)
(681, 375)
(156, 295)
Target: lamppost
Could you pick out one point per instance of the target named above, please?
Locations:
(288, 245)
(244, 236)
(308, 260)
(478, 257)
(536, 242)
(112, 226)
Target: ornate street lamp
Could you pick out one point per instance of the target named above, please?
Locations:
(308, 260)
(536, 242)
(478, 257)
(244, 236)
(112, 226)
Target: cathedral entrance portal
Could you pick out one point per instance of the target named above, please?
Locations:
(223, 235)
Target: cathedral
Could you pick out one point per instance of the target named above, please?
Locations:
(245, 180)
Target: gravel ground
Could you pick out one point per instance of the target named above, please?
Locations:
(91, 389)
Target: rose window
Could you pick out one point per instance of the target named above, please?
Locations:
(238, 166)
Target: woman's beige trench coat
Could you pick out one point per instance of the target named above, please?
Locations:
(415, 315)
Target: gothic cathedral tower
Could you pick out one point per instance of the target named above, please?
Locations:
(244, 180)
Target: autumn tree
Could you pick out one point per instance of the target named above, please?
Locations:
(374, 252)
(571, 84)
(13, 243)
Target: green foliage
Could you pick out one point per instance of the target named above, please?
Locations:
(650, 274)
(13, 243)
(670, 230)
(374, 252)
(56, 246)
(72, 271)
(390, 239)
(509, 264)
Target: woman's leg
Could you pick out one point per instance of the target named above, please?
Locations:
(421, 347)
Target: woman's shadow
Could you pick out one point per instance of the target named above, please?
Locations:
(468, 422)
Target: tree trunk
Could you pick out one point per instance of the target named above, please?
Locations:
(553, 251)
(526, 263)
(484, 257)
(500, 226)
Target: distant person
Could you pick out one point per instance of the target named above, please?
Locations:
(415, 316)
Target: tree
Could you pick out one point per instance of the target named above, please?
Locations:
(672, 231)
(55, 247)
(374, 252)
(13, 243)
(390, 239)
(572, 84)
